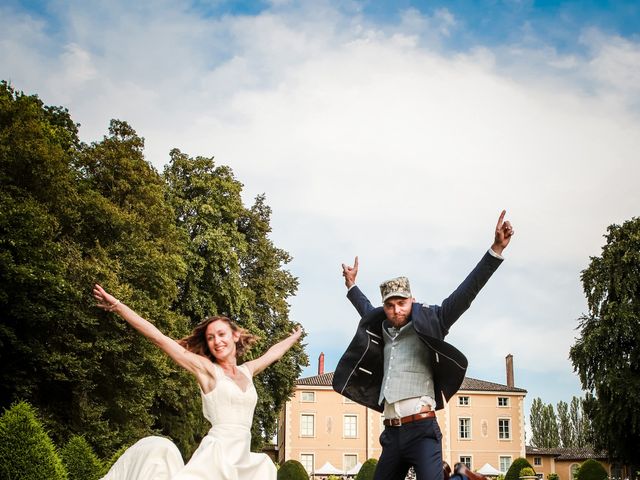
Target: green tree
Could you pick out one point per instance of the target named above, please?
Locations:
(72, 214)
(591, 469)
(292, 470)
(39, 296)
(233, 268)
(580, 423)
(143, 250)
(368, 470)
(606, 354)
(26, 451)
(565, 430)
(513, 473)
(80, 460)
(544, 426)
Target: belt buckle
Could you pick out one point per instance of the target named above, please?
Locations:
(396, 422)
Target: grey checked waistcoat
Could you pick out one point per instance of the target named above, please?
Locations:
(407, 370)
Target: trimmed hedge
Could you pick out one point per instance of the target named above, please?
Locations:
(514, 470)
(26, 451)
(292, 470)
(367, 470)
(592, 470)
(81, 461)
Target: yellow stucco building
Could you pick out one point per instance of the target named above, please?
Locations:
(565, 461)
(483, 423)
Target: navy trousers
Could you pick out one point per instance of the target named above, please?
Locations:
(416, 444)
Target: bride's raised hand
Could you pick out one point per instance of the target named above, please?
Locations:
(104, 300)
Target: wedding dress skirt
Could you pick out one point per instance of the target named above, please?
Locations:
(223, 453)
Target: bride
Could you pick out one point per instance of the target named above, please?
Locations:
(228, 400)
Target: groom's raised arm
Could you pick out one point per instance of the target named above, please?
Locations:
(354, 294)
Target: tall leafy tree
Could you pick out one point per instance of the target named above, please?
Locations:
(208, 206)
(70, 215)
(580, 423)
(39, 216)
(565, 430)
(233, 268)
(544, 426)
(606, 355)
(130, 236)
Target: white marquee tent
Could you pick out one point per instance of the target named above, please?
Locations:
(327, 469)
(489, 470)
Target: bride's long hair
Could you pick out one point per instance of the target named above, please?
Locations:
(196, 342)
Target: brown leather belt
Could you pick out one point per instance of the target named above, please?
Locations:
(396, 422)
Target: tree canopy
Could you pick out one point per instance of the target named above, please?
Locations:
(606, 354)
(176, 247)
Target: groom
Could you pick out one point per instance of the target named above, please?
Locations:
(398, 363)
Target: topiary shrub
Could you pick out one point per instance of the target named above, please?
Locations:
(592, 470)
(514, 470)
(26, 451)
(367, 470)
(292, 470)
(80, 460)
(553, 476)
(527, 472)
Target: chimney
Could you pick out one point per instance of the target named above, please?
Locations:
(321, 363)
(509, 362)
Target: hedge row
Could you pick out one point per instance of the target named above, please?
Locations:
(27, 452)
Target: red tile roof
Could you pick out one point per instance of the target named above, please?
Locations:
(468, 383)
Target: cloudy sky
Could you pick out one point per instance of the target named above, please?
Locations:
(396, 131)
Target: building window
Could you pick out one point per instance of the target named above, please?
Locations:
(349, 462)
(537, 461)
(464, 428)
(350, 426)
(505, 463)
(504, 430)
(463, 400)
(307, 421)
(503, 401)
(466, 459)
(308, 397)
(306, 459)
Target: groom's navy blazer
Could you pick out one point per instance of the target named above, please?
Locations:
(359, 373)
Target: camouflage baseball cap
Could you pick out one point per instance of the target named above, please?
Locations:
(396, 287)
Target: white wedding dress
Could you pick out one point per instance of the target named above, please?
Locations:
(223, 453)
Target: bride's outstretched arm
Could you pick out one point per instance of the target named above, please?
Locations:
(186, 359)
(274, 353)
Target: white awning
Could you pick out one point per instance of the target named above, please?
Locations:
(327, 469)
(488, 469)
(356, 468)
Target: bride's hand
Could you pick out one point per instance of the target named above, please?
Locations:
(104, 300)
(297, 332)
